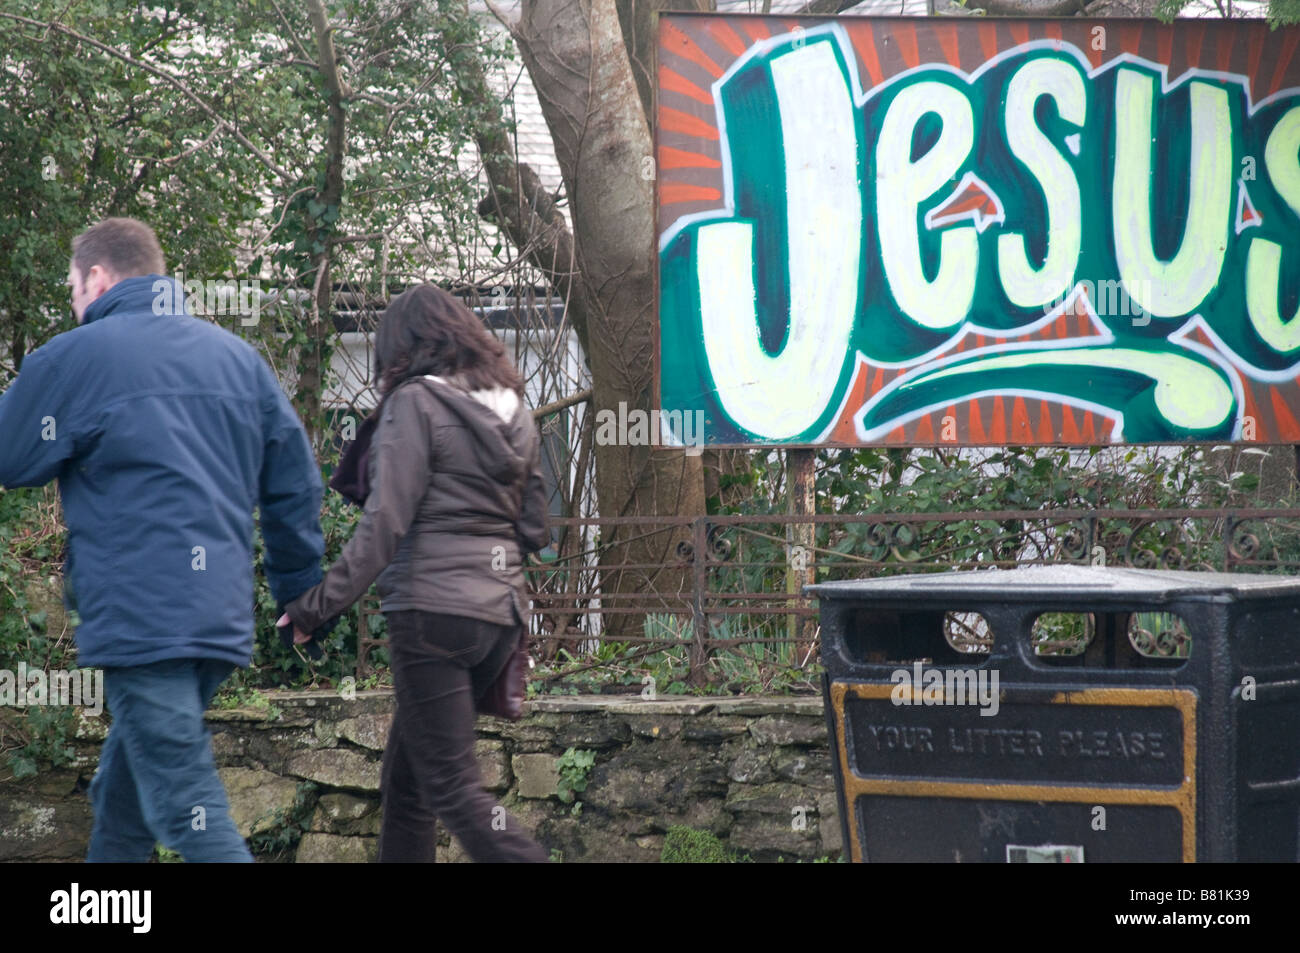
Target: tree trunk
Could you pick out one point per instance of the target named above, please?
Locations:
(313, 357)
(579, 64)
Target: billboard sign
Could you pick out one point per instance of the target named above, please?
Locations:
(901, 231)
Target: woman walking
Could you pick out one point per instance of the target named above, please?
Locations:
(455, 502)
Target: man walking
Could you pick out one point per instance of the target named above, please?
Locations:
(165, 432)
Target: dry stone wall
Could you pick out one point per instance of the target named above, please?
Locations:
(755, 771)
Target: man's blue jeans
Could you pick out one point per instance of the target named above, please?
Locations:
(157, 779)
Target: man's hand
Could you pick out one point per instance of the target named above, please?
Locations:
(299, 636)
(292, 637)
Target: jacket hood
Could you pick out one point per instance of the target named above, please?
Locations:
(499, 422)
(157, 294)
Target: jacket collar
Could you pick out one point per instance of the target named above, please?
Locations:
(136, 294)
(495, 438)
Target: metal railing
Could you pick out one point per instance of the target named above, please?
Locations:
(715, 583)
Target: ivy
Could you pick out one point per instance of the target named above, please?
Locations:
(574, 767)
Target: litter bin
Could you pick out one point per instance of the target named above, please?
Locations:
(1065, 714)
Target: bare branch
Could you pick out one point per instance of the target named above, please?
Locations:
(283, 212)
(327, 61)
(506, 20)
(288, 31)
(581, 397)
(354, 239)
(827, 7)
(1030, 8)
(172, 160)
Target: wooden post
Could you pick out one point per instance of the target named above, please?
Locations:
(801, 500)
(699, 652)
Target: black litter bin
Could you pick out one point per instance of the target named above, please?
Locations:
(1065, 714)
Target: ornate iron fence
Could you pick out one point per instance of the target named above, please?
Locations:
(717, 583)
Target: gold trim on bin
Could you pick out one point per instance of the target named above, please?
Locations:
(1183, 797)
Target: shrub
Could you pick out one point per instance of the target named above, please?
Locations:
(686, 845)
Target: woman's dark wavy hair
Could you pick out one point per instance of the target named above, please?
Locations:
(426, 330)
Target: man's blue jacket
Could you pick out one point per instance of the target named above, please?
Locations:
(165, 432)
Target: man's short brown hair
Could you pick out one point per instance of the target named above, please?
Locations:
(124, 246)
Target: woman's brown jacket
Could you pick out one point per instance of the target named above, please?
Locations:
(456, 499)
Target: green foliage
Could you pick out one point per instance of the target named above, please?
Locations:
(630, 669)
(1061, 633)
(686, 845)
(33, 629)
(733, 669)
(942, 481)
(1280, 12)
(47, 732)
(928, 480)
(247, 698)
(212, 122)
(922, 480)
(274, 665)
(104, 130)
(574, 768)
(277, 841)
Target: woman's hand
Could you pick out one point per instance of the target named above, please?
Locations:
(299, 636)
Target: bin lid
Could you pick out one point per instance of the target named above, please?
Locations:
(1036, 583)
